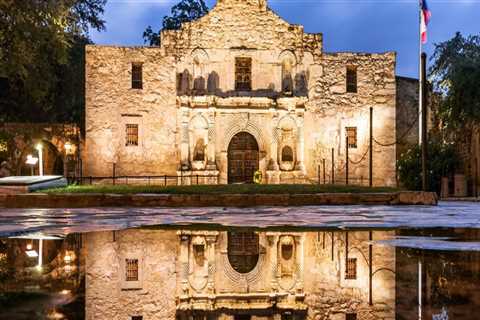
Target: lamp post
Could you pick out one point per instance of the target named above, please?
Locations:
(39, 148)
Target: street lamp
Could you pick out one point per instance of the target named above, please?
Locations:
(39, 147)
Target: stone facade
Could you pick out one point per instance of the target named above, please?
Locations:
(297, 107)
(189, 274)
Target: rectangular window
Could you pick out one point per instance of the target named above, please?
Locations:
(243, 74)
(137, 318)
(351, 137)
(132, 135)
(352, 79)
(351, 269)
(131, 266)
(351, 316)
(137, 81)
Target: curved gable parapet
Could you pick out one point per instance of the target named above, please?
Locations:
(240, 24)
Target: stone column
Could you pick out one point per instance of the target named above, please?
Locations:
(211, 164)
(300, 262)
(211, 240)
(184, 145)
(183, 263)
(274, 145)
(272, 239)
(300, 165)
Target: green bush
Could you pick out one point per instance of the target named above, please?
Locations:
(442, 161)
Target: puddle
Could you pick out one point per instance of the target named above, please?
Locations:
(257, 263)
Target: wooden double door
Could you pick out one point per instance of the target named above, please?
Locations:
(243, 158)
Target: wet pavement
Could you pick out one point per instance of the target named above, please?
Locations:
(15, 222)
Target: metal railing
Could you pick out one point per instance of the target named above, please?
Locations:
(153, 180)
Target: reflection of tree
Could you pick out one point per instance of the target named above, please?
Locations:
(440, 272)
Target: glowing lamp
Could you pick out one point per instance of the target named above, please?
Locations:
(32, 253)
(31, 160)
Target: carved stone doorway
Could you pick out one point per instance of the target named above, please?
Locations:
(243, 158)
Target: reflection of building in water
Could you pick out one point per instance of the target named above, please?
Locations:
(239, 274)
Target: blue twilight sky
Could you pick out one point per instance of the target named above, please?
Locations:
(347, 25)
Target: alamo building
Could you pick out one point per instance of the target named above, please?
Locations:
(236, 91)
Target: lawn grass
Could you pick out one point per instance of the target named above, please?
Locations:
(219, 189)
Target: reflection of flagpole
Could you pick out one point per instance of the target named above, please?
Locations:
(419, 289)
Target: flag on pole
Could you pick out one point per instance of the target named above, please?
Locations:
(425, 16)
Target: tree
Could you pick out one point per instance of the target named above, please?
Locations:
(37, 43)
(442, 161)
(456, 75)
(184, 11)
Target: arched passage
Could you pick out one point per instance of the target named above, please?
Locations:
(243, 158)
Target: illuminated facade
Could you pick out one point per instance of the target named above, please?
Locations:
(236, 91)
(239, 274)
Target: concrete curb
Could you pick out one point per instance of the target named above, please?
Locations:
(77, 200)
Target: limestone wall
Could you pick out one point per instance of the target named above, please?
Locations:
(111, 103)
(330, 295)
(188, 272)
(107, 294)
(239, 24)
(407, 114)
(331, 109)
(298, 99)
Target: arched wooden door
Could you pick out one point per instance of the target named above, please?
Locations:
(243, 158)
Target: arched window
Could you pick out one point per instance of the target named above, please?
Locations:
(287, 78)
(287, 154)
(243, 250)
(199, 151)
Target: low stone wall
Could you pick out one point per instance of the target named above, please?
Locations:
(41, 200)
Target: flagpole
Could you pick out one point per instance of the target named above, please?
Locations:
(420, 89)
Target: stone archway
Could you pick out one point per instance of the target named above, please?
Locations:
(243, 158)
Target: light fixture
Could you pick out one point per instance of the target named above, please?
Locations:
(31, 160)
(29, 246)
(32, 253)
(67, 258)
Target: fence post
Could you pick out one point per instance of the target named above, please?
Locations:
(91, 180)
(318, 174)
(81, 170)
(324, 173)
(113, 172)
(197, 179)
(346, 159)
(165, 180)
(333, 166)
(370, 164)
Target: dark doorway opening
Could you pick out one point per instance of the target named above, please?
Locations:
(243, 158)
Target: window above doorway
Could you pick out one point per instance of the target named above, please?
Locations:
(243, 74)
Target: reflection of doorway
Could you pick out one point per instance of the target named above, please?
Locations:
(243, 158)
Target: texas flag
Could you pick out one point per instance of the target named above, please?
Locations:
(425, 16)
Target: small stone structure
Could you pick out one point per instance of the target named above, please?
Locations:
(217, 274)
(239, 73)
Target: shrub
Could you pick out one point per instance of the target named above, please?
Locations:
(442, 161)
